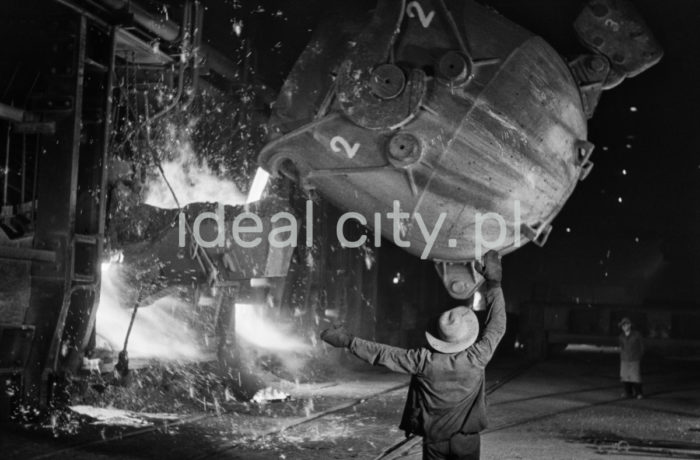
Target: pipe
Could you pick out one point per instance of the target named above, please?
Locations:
(219, 63)
(6, 171)
(37, 150)
(7, 112)
(186, 22)
(170, 31)
(196, 49)
(24, 168)
(163, 28)
(82, 11)
(26, 254)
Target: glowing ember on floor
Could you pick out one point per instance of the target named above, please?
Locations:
(118, 417)
(269, 395)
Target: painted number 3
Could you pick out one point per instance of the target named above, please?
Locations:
(414, 9)
(339, 143)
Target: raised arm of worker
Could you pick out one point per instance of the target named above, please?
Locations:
(482, 351)
(412, 361)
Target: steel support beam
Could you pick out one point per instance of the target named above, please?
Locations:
(7, 112)
(57, 191)
(164, 29)
(18, 253)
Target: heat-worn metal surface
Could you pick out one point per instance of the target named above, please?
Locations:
(497, 131)
(156, 238)
(616, 30)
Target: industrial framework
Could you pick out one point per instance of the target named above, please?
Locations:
(83, 107)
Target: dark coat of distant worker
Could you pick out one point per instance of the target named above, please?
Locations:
(631, 346)
(446, 399)
(631, 352)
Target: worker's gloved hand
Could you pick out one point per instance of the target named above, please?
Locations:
(338, 336)
(491, 269)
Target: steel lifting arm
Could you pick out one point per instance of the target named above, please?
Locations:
(623, 46)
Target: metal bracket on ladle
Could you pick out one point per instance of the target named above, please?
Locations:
(584, 150)
(590, 72)
(538, 235)
(615, 29)
(460, 278)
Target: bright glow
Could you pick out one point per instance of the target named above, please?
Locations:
(478, 303)
(192, 180)
(269, 394)
(369, 257)
(258, 187)
(619, 199)
(160, 330)
(119, 417)
(115, 257)
(237, 28)
(252, 326)
(633, 109)
(259, 282)
(624, 172)
(568, 230)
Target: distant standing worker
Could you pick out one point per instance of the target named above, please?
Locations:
(631, 352)
(446, 398)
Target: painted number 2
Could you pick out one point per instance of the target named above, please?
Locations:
(339, 143)
(615, 26)
(414, 9)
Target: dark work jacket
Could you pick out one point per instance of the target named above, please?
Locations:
(446, 394)
(631, 346)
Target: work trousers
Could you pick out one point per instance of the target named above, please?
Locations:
(632, 389)
(461, 446)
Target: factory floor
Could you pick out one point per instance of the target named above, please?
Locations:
(568, 407)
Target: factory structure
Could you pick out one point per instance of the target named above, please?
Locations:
(213, 184)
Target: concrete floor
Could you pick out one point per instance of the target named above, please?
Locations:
(566, 408)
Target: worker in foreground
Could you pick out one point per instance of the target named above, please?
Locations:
(446, 398)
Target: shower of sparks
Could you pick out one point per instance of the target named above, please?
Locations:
(192, 180)
(160, 330)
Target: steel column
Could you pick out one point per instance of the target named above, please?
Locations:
(56, 192)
